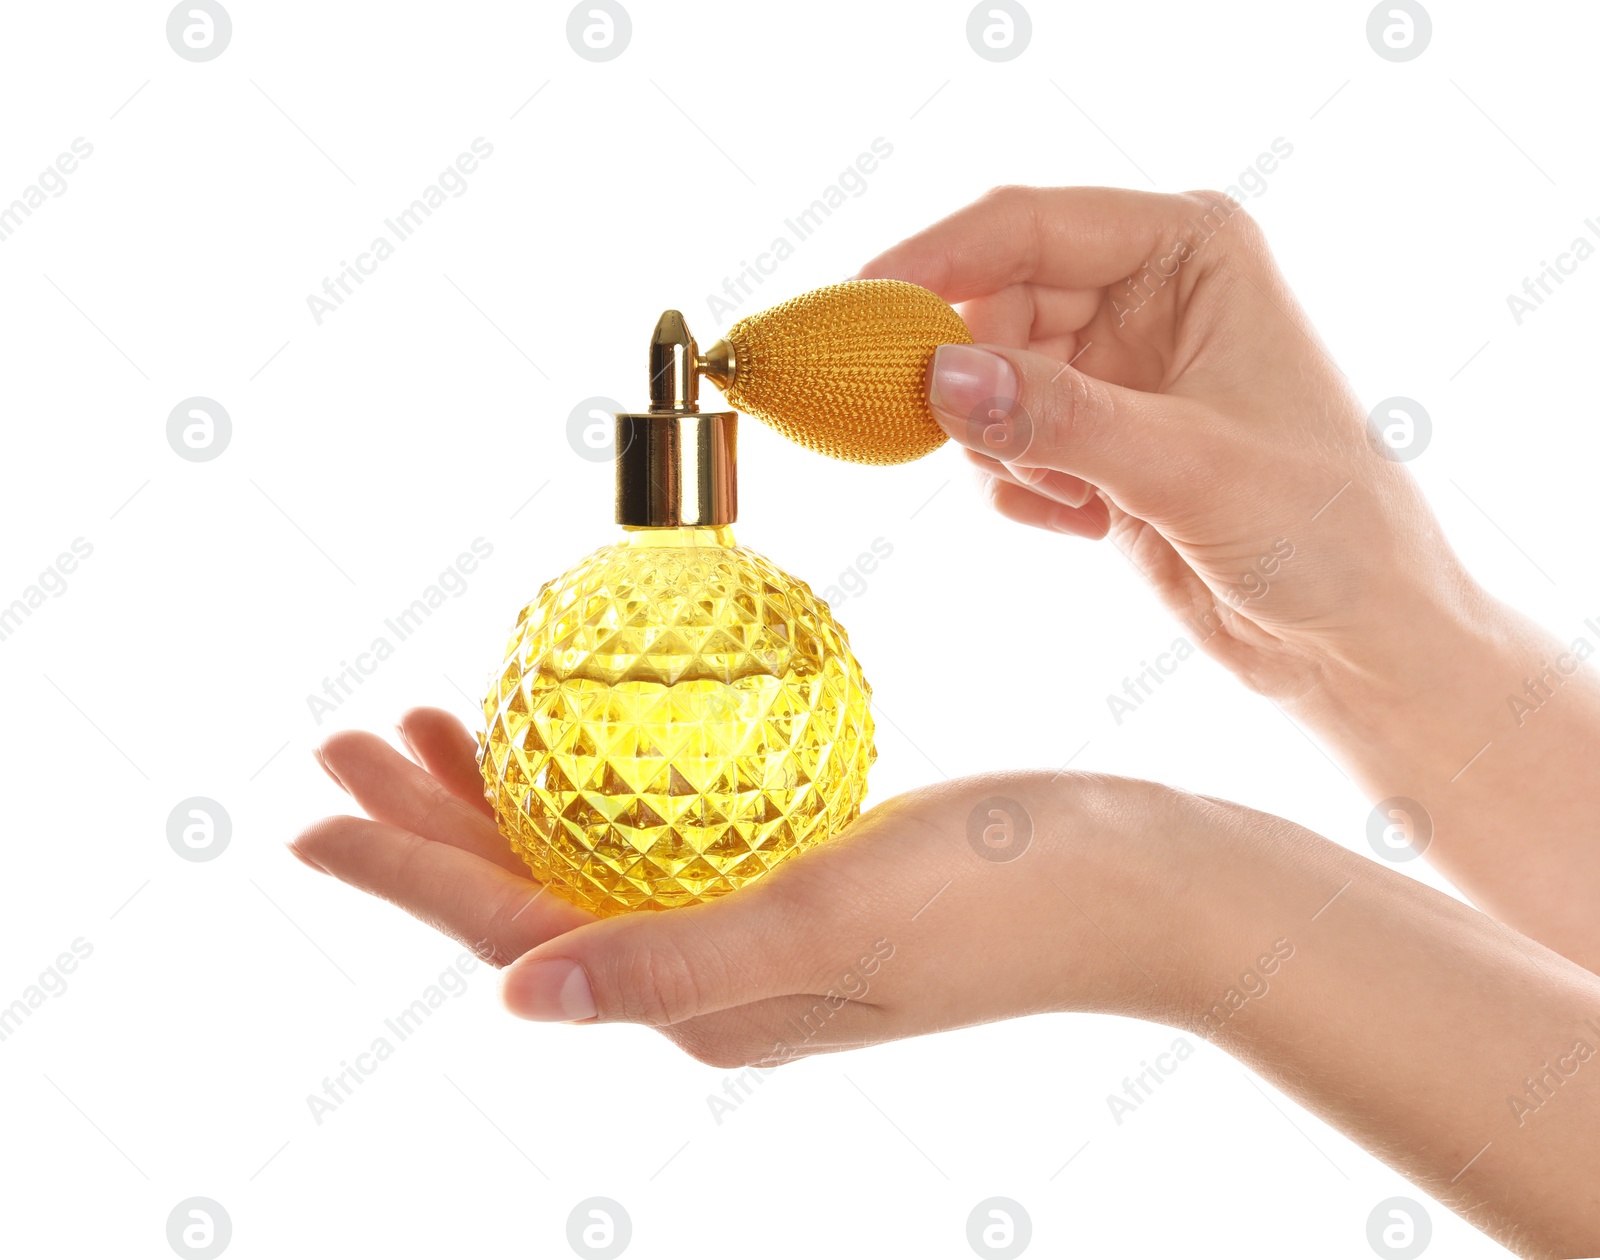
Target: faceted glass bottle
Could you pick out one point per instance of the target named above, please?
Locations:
(675, 716)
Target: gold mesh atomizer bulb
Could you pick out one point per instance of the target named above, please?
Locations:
(676, 715)
(842, 370)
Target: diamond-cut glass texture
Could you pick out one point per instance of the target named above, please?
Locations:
(675, 716)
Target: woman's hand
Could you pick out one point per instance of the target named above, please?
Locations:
(1144, 370)
(1410, 1021)
(949, 906)
(1200, 421)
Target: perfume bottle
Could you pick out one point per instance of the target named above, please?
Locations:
(676, 714)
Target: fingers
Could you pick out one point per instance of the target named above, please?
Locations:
(664, 968)
(491, 911)
(1068, 238)
(1059, 486)
(1027, 409)
(1029, 315)
(392, 789)
(447, 752)
(866, 937)
(1020, 504)
(809, 928)
(1214, 625)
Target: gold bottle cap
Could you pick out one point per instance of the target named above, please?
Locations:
(676, 465)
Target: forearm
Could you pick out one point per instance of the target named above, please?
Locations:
(1492, 725)
(1463, 1055)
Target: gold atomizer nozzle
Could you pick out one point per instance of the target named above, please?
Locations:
(841, 370)
(676, 466)
(674, 373)
(720, 363)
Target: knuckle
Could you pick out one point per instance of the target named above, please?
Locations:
(409, 862)
(1007, 192)
(493, 950)
(501, 929)
(439, 811)
(1250, 238)
(1206, 198)
(1073, 406)
(657, 985)
(801, 898)
(1218, 211)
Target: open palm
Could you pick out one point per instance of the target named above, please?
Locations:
(865, 938)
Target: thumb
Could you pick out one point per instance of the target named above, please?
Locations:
(659, 969)
(1034, 411)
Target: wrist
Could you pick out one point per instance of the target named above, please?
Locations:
(1478, 733)
(1426, 676)
(1188, 893)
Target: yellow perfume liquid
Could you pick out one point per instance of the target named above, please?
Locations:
(675, 716)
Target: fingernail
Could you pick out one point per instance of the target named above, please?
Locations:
(557, 990)
(964, 380)
(1073, 491)
(1067, 521)
(327, 769)
(1028, 476)
(405, 742)
(1077, 496)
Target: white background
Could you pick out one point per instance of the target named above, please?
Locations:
(370, 450)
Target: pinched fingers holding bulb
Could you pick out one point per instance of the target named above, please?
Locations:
(1067, 389)
(1055, 435)
(1140, 368)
